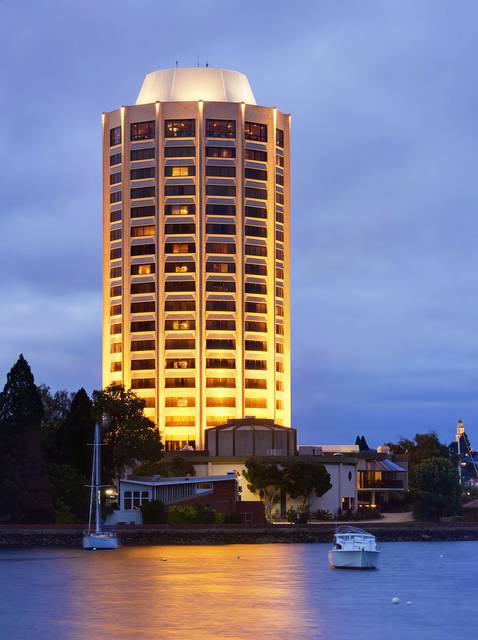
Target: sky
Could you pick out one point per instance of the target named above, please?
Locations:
(383, 96)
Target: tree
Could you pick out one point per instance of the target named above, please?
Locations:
(302, 479)
(55, 409)
(69, 492)
(131, 436)
(362, 443)
(24, 490)
(171, 468)
(264, 479)
(75, 433)
(424, 447)
(435, 489)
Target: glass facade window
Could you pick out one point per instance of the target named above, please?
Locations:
(115, 310)
(174, 401)
(221, 209)
(257, 194)
(180, 190)
(215, 343)
(221, 128)
(279, 347)
(143, 287)
(220, 152)
(115, 366)
(115, 253)
(143, 269)
(220, 325)
(143, 212)
(225, 383)
(115, 136)
(279, 216)
(258, 327)
(220, 305)
(180, 363)
(115, 329)
(279, 385)
(220, 363)
(142, 130)
(221, 267)
(221, 287)
(179, 247)
(180, 383)
(255, 383)
(279, 198)
(280, 138)
(279, 329)
(258, 365)
(280, 367)
(115, 216)
(141, 174)
(180, 343)
(220, 190)
(116, 347)
(115, 272)
(255, 131)
(221, 229)
(179, 285)
(219, 401)
(143, 383)
(180, 305)
(185, 228)
(143, 325)
(255, 232)
(255, 174)
(115, 197)
(256, 403)
(143, 249)
(180, 267)
(220, 171)
(180, 325)
(115, 234)
(180, 172)
(143, 230)
(179, 128)
(279, 254)
(143, 345)
(280, 179)
(143, 307)
(256, 269)
(115, 158)
(140, 365)
(115, 291)
(256, 212)
(142, 192)
(220, 247)
(179, 152)
(254, 154)
(180, 209)
(255, 345)
(255, 250)
(142, 154)
(256, 307)
(280, 161)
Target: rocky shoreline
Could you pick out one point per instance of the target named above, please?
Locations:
(12, 537)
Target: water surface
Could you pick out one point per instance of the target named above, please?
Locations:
(239, 591)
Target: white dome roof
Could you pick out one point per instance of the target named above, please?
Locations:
(185, 84)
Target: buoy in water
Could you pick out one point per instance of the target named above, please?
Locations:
(409, 602)
(395, 600)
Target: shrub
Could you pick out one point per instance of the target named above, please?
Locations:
(194, 514)
(322, 514)
(154, 512)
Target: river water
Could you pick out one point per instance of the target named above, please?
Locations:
(274, 591)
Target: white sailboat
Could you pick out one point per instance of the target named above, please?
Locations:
(354, 549)
(95, 538)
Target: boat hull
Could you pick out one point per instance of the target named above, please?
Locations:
(95, 541)
(353, 559)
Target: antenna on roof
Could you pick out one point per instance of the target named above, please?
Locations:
(207, 64)
(176, 64)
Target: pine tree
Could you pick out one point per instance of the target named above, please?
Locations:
(75, 433)
(24, 491)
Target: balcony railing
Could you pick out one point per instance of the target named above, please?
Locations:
(380, 484)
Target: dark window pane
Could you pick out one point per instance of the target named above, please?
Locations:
(143, 192)
(254, 154)
(115, 136)
(255, 174)
(221, 128)
(115, 159)
(220, 152)
(180, 190)
(220, 171)
(221, 209)
(255, 131)
(220, 190)
(139, 174)
(143, 249)
(221, 229)
(142, 130)
(258, 194)
(179, 152)
(142, 154)
(143, 212)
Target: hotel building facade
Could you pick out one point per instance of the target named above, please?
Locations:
(196, 253)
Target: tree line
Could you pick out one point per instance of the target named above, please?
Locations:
(45, 457)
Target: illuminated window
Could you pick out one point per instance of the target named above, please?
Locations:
(143, 345)
(140, 231)
(221, 128)
(142, 269)
(180, 209)
(180, 421)
(279, 385)
(279, 404)
(255, 131)
(189, 401)
(142, 130)
(137, 365)
(255, 383)
(179, 128)
(280, 161)
(143, 383)
(220, 402)
(226, 383)
(180, 267)
(115, 366)
(256, 403)
(180, 172)
(179, 383)
(179, 247)
(221, 267)
(116, 347)
(179, 325)
(183, 363)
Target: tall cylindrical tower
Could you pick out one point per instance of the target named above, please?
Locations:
(196, 252)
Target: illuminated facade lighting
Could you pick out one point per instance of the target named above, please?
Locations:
(196, 253)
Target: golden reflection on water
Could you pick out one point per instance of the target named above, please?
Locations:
(193, 592)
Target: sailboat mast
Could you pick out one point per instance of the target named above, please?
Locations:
(98, 478)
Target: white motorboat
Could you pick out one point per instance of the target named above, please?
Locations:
(354, 549)
(95, 538)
